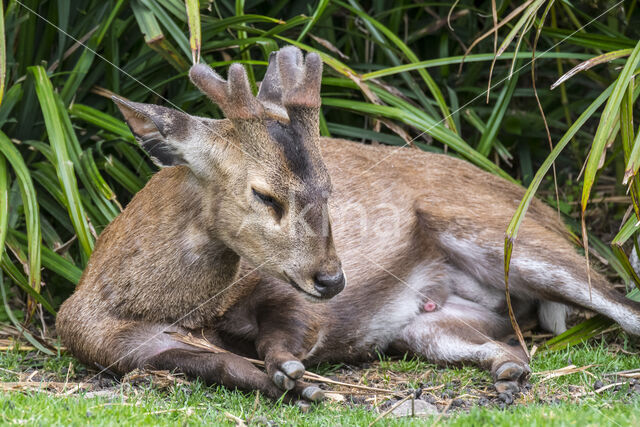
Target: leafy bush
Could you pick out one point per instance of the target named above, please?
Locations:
(394, 75)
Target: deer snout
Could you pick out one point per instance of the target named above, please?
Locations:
(329, 285)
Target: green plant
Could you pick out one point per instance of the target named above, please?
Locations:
(68, 163)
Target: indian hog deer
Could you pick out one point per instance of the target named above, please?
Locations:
(419, 236)
(170, 261)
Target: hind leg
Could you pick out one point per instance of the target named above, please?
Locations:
(462, 331)
(566, 281)
(545, 267)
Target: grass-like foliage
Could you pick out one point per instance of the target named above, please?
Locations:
(405, 73)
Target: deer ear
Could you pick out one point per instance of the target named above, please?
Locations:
(170, 137)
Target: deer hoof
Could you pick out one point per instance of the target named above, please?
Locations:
(294, 369)
(282, 381)
(303, 406)
(507, 386)
(510, 371)
(313, 393)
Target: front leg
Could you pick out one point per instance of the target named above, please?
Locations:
(280, 342)
(143, 345)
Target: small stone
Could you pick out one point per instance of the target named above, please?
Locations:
(446, 394)
(456, 403)
(429, 398)
(420, 408)
(261, 421)
(483, 401)
(506, 397)
(598, 384)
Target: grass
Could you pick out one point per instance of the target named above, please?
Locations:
(548, 402)
(68, 164)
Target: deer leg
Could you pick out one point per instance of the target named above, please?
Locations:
(121, 346)
(280, 337)
(566, 281)
(462, 331)
(544, 267)
(229, 370)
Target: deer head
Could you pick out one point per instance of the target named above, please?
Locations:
(262, 177)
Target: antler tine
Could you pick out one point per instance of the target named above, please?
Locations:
(300, 79)
(271, 86)
(270, 93)
(234, 97)
(209, 83)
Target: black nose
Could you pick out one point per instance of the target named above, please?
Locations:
(329, 285)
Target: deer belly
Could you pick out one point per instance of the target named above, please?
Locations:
(421, 292)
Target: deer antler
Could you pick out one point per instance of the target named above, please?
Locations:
(300, 78)
(234, 96)
(270, 93)
(290, 89)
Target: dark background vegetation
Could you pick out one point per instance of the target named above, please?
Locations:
(393, 75)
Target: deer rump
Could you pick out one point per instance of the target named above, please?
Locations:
(211, 246)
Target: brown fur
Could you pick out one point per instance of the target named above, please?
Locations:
(198, 250)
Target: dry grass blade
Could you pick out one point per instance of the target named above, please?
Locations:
(450, 12)
(327, 45)
(522, 26)
(626, 373)
(237, 420)
(567, 370)
(597, 60)
(494, 16)
(204, 344)
(388, 411)
(600, 390)
(495, 29)
(54, 387)
(508, 248)
(67, 53)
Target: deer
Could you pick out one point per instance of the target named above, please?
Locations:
(248, 233)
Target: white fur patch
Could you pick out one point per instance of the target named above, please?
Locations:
(553, 316)
(403, 307)
(428, 335)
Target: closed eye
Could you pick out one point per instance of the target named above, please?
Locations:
(269, 201)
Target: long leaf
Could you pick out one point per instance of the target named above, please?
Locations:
(430, 127)
(195, 38)
(31, 208)
(64, 166)
(497, 114)
(3, 55)
(18, 325)
(4, 201)
(317, 14)
(606, 124)
(431, 84)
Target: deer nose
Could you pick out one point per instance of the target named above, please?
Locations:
(329, 285)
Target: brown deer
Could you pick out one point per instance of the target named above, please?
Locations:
(419, 236)
(166, 262)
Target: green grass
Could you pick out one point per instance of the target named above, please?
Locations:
(547, 403)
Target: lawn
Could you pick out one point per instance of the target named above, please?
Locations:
(463, 395)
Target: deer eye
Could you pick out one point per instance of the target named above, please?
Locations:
(269, 201)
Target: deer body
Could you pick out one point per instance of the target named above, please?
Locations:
(228, 243)
(430, 281)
